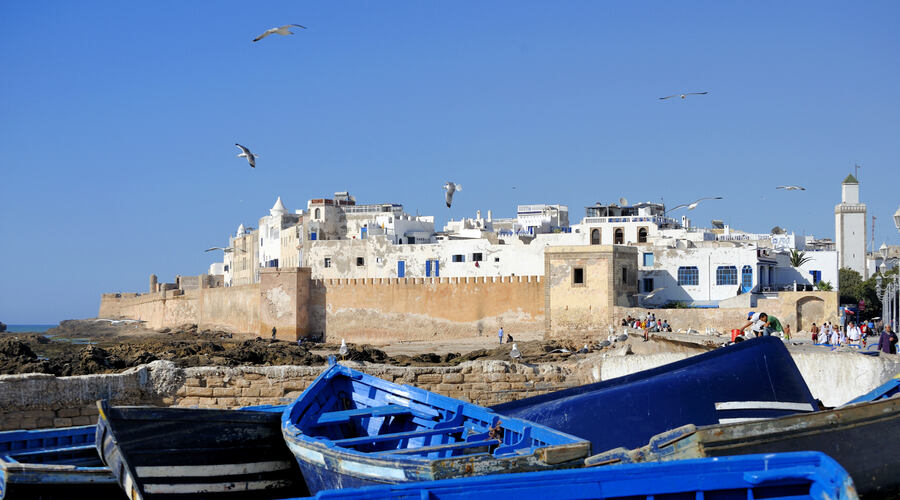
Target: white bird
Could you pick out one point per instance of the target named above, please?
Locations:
(451, 188)
(281, 30)
(245, 153)
(683, 96)
(514, 353)
(343, 350)
(224, 249)
(792, 188)
(692, 205)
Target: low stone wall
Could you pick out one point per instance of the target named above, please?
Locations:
(36, 400)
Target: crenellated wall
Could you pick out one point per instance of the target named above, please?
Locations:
(359, 310)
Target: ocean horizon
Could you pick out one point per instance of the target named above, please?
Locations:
(29, 328)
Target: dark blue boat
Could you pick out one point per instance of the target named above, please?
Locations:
(751, 380)
(795, 476)
(862, 437)
(197, 453)
(53, 463)
(349, 429)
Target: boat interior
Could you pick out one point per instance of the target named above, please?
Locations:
(369, 415)
(72, 446)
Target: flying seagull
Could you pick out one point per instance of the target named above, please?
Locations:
(792, 188)
(451, 188)
(281, 30)
(224, 249)
(245, 153)
(683, 96)
(693, 204)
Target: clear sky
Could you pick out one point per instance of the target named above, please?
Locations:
(118, 120)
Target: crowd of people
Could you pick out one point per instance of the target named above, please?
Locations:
(649, 323)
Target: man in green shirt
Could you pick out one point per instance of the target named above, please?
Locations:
(770, 324)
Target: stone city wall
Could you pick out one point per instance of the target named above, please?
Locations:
(37, 400)
(797, 309)
(359, 310)
(391, 309)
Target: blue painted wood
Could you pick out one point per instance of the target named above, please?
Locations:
(883, 391)
(798, 476)
(53, 463)
(197, 453)
(686, 392)
(349, 429)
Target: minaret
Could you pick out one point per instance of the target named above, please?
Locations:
(850, 228)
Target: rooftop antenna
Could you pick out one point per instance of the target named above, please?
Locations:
(856, 171)
(873, 234)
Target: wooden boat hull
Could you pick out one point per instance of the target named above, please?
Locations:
(863, 438)
(181, 452)
(349, 429)
(53, 463)
(798, 476)
(755, 379)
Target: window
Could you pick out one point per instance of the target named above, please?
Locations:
(624, 275)
(477, 257)
(688, 276)
(318, 213)
(642, 235)
(648, 259)
(327, 261)
(312, 236)
(578, 276)
(648, 285)
(226, 268)
(816, 276)
(496, 259)
(726, 275)
(747, 278)
(619, 236)
(432, 268)
(458, 258)
(360, 261)
(595, 236)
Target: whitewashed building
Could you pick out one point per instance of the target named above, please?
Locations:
(850, 228)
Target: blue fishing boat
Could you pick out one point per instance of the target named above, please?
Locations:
(349, 429)
(795, 476)
(158, 453)
(886, 390)
(862, 437)
(751, 380)
(54, 463)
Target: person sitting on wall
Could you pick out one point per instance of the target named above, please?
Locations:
(509, 339)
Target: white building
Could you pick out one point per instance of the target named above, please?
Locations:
(270, 227)
(850, 228)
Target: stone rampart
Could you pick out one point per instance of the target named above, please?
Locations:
(37, 400)
(380, 309)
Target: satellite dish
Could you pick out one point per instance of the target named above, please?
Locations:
(623, 201)
(717, 224)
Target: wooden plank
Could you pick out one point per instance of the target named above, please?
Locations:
(336, 417)
(397, 436)
(443, 447)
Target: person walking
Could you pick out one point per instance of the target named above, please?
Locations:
(887, 343)
(500, 334)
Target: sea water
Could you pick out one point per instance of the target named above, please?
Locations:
(29, 328)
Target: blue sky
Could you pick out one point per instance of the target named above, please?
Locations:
(118, 120)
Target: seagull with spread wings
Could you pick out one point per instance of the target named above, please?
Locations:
(683, 96)
(692, 205)
(224, 249)
(451, 188)
(245, 153)
(792, 188)
(280, 30)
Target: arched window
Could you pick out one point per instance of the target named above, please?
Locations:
(318, 213)
(726, 275)
(595, 236)
(747, 278)
(642, 235)
(688, 276)
(619, 236)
